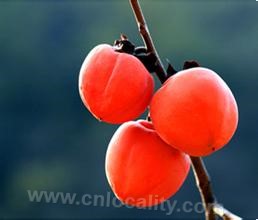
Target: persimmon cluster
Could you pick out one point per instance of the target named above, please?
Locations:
(193, 113)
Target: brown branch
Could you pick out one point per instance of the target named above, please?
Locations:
(212, 208)
(145, 34)
(204, 185)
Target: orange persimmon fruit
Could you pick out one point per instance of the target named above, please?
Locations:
(195, 112)
(115, 87)
(141, 168)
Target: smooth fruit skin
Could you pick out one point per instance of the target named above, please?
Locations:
(142, 169)
(115, 87)
(195, 112)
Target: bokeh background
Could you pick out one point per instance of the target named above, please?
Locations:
(49, 141)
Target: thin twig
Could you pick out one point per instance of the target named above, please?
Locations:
(212, 208)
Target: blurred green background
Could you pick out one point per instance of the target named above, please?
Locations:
(49, 141)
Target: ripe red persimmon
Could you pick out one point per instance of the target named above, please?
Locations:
(142, 169)
(195, 112)
(115, 87)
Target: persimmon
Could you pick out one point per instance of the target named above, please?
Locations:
(195, 112)
(141, 168)
(114, 86)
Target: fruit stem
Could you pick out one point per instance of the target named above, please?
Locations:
(212, 208)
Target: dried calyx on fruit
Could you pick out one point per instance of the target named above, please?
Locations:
(123, 45)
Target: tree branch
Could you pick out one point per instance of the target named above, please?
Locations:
(145, 34)
(212, 208)
(224, 213)
(204, 185)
